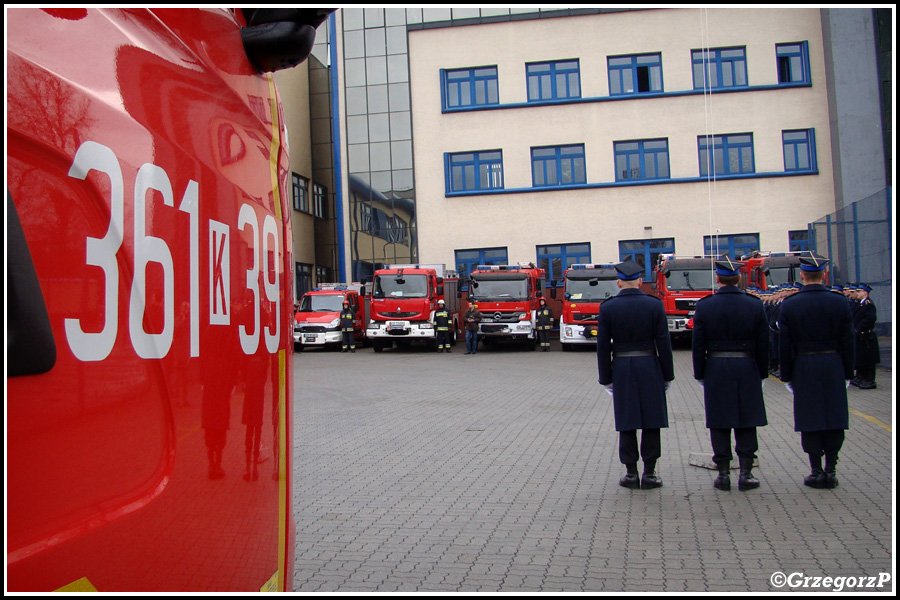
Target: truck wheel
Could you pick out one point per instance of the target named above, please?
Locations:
(377, 345)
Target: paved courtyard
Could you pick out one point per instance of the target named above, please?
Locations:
(423, 472)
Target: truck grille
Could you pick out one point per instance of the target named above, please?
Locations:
(578, 318)
(398, 315)
(502, 317)
(685, 303)
(310, 329)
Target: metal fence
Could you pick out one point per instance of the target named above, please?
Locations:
(858, 241)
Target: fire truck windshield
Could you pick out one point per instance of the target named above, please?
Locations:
(326, 303)
(400, 286)
(590, 290)
(780, 276)
(498, 289)
(689, 280)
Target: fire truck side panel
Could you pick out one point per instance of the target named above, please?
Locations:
(146, 163)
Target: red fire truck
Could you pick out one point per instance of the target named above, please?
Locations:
(403, 301)
(317, 321)
(149, 377)
(586, 287)
(507, 297)
(771, 269)
(680, 282)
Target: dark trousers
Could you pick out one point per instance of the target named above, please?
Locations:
(651, 448)
(443, 339)
(745, 444)
(818, 443)
(544, 337)
(347, 340)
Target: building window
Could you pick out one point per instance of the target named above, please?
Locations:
(793, 62)
(323, 275)
(733, 245)
(470, 171)
(732, 154)
(798, 241)
(470, 87)
(719, 68)
(468, 260)
(558, 165)
(642, 159)
(637, 74)
(553, 80)
(301, 193)
(320, 193)
(303, 273)
(557, 258)
(646, 252)
(799, 154)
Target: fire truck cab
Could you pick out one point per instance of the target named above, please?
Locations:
(404, 299)
(586, 287)
(680, 282)
(771, 269)
(507, 297)
(317, 321)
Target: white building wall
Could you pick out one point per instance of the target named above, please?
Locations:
(770, 206)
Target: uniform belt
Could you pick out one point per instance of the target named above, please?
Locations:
(633, 353)
(729, 354)
(813, 352)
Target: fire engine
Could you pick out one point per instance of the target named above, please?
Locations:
(317, 321)
(586, 287)
(149, 373)
(771, 269)
(680, 282)
(507, 297)
(403, 301)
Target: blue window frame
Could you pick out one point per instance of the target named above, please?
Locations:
(558, 165)
(556, 258)
(799, 149)
(798, 241)
(468, 260)
(637, 74)
(470, 87)
(472, 171)
(556, 80)
(642, 159)
(718, 68)
(734, 245)
(793, 62)
(646, 252)
(732, 154)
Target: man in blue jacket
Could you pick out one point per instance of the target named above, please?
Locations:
(634, 359)
(730, 348)
(816, 347)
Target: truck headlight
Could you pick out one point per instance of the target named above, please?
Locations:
(335, 323)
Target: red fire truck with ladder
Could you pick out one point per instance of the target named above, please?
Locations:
(680, 282)
(403, 301)
(586, 287)
(507, 297)
(149, 256)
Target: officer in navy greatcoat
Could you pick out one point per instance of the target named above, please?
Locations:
(730, 348)
(867, 352)
(635, 364)
(817, 351)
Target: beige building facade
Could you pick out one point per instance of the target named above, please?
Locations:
(601, 137)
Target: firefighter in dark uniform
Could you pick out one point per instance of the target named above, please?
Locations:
(816, 345)
(543, 323)
(347, 316)
(867, 352)
(442, 327)
(730, 350)
(634, 360)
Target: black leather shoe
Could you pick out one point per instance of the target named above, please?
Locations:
(816, 479)
(747, 481)
(865, 384)
(650, 481)
(831, 480)
(722, 482)
(631, 479)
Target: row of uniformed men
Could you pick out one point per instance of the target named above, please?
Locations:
(730, 352)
